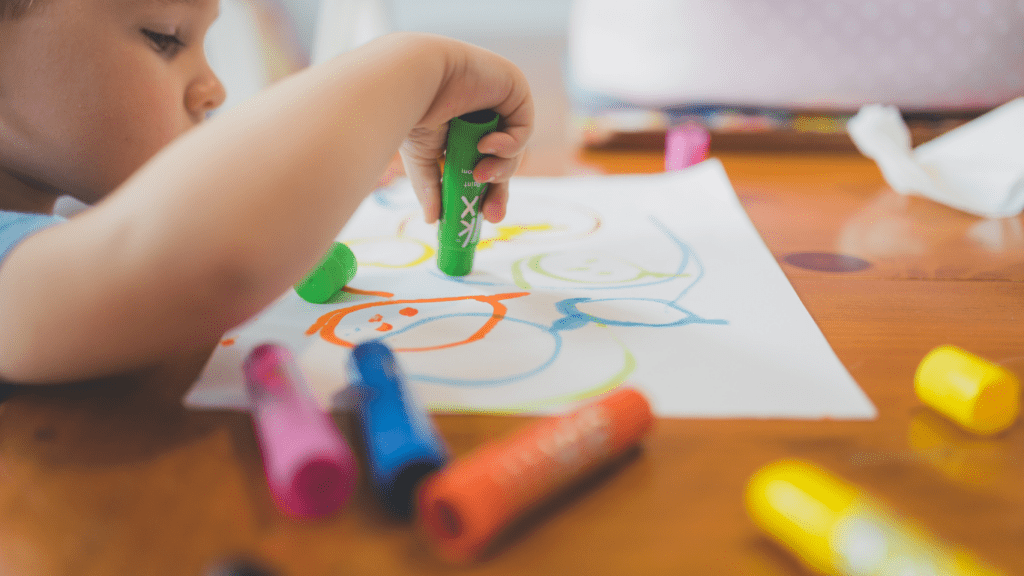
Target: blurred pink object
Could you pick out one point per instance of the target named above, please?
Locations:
(310, 467)
(686, 145)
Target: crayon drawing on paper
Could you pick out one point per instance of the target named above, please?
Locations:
(660, 281)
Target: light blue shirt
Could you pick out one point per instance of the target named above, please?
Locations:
(16, 226)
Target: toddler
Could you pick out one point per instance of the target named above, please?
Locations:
(198, 224)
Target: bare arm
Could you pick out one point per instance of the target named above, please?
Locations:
(224, 219)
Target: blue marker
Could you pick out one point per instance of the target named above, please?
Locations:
(402, 445)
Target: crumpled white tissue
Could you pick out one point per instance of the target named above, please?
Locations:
(977, 167)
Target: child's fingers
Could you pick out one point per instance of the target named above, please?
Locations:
(425, 178)
(418, 154)
(495, 202)
(505, 144)
(516, 124)
(495, 169)
(506, 153)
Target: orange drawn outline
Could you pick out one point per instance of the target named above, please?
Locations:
(352, 290)
(327, 323)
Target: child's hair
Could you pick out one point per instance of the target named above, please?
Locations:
(14, 8)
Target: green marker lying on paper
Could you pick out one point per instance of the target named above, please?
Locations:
(461, 196)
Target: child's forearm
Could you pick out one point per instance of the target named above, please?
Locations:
(266, 187)
(224, 219)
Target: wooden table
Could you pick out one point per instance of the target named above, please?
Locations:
(117, 478)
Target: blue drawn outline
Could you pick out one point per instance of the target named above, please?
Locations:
(574, 318)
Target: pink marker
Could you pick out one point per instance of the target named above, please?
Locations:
(686, 145)
(310, 467)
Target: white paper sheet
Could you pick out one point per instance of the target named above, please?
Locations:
(657, 280)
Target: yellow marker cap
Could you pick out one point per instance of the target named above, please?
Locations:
(979, 395)
(799, 504)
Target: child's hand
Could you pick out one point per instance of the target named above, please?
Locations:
(476, 80)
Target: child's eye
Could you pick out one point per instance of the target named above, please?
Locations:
(166, 44)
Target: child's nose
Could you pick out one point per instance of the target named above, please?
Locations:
(204, 95)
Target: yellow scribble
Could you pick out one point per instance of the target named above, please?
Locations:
(509, 233)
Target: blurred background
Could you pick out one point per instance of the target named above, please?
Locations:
(256, 42)
(777, 74)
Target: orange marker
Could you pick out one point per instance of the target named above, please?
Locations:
(465, 505)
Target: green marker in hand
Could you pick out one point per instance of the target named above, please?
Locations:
(462, 197)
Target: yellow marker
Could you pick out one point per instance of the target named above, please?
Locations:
(979, 395)
(837, 529)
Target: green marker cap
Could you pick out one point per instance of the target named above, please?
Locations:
(462, 197)
(337, 269)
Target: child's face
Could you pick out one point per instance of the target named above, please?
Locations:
(91, 89)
